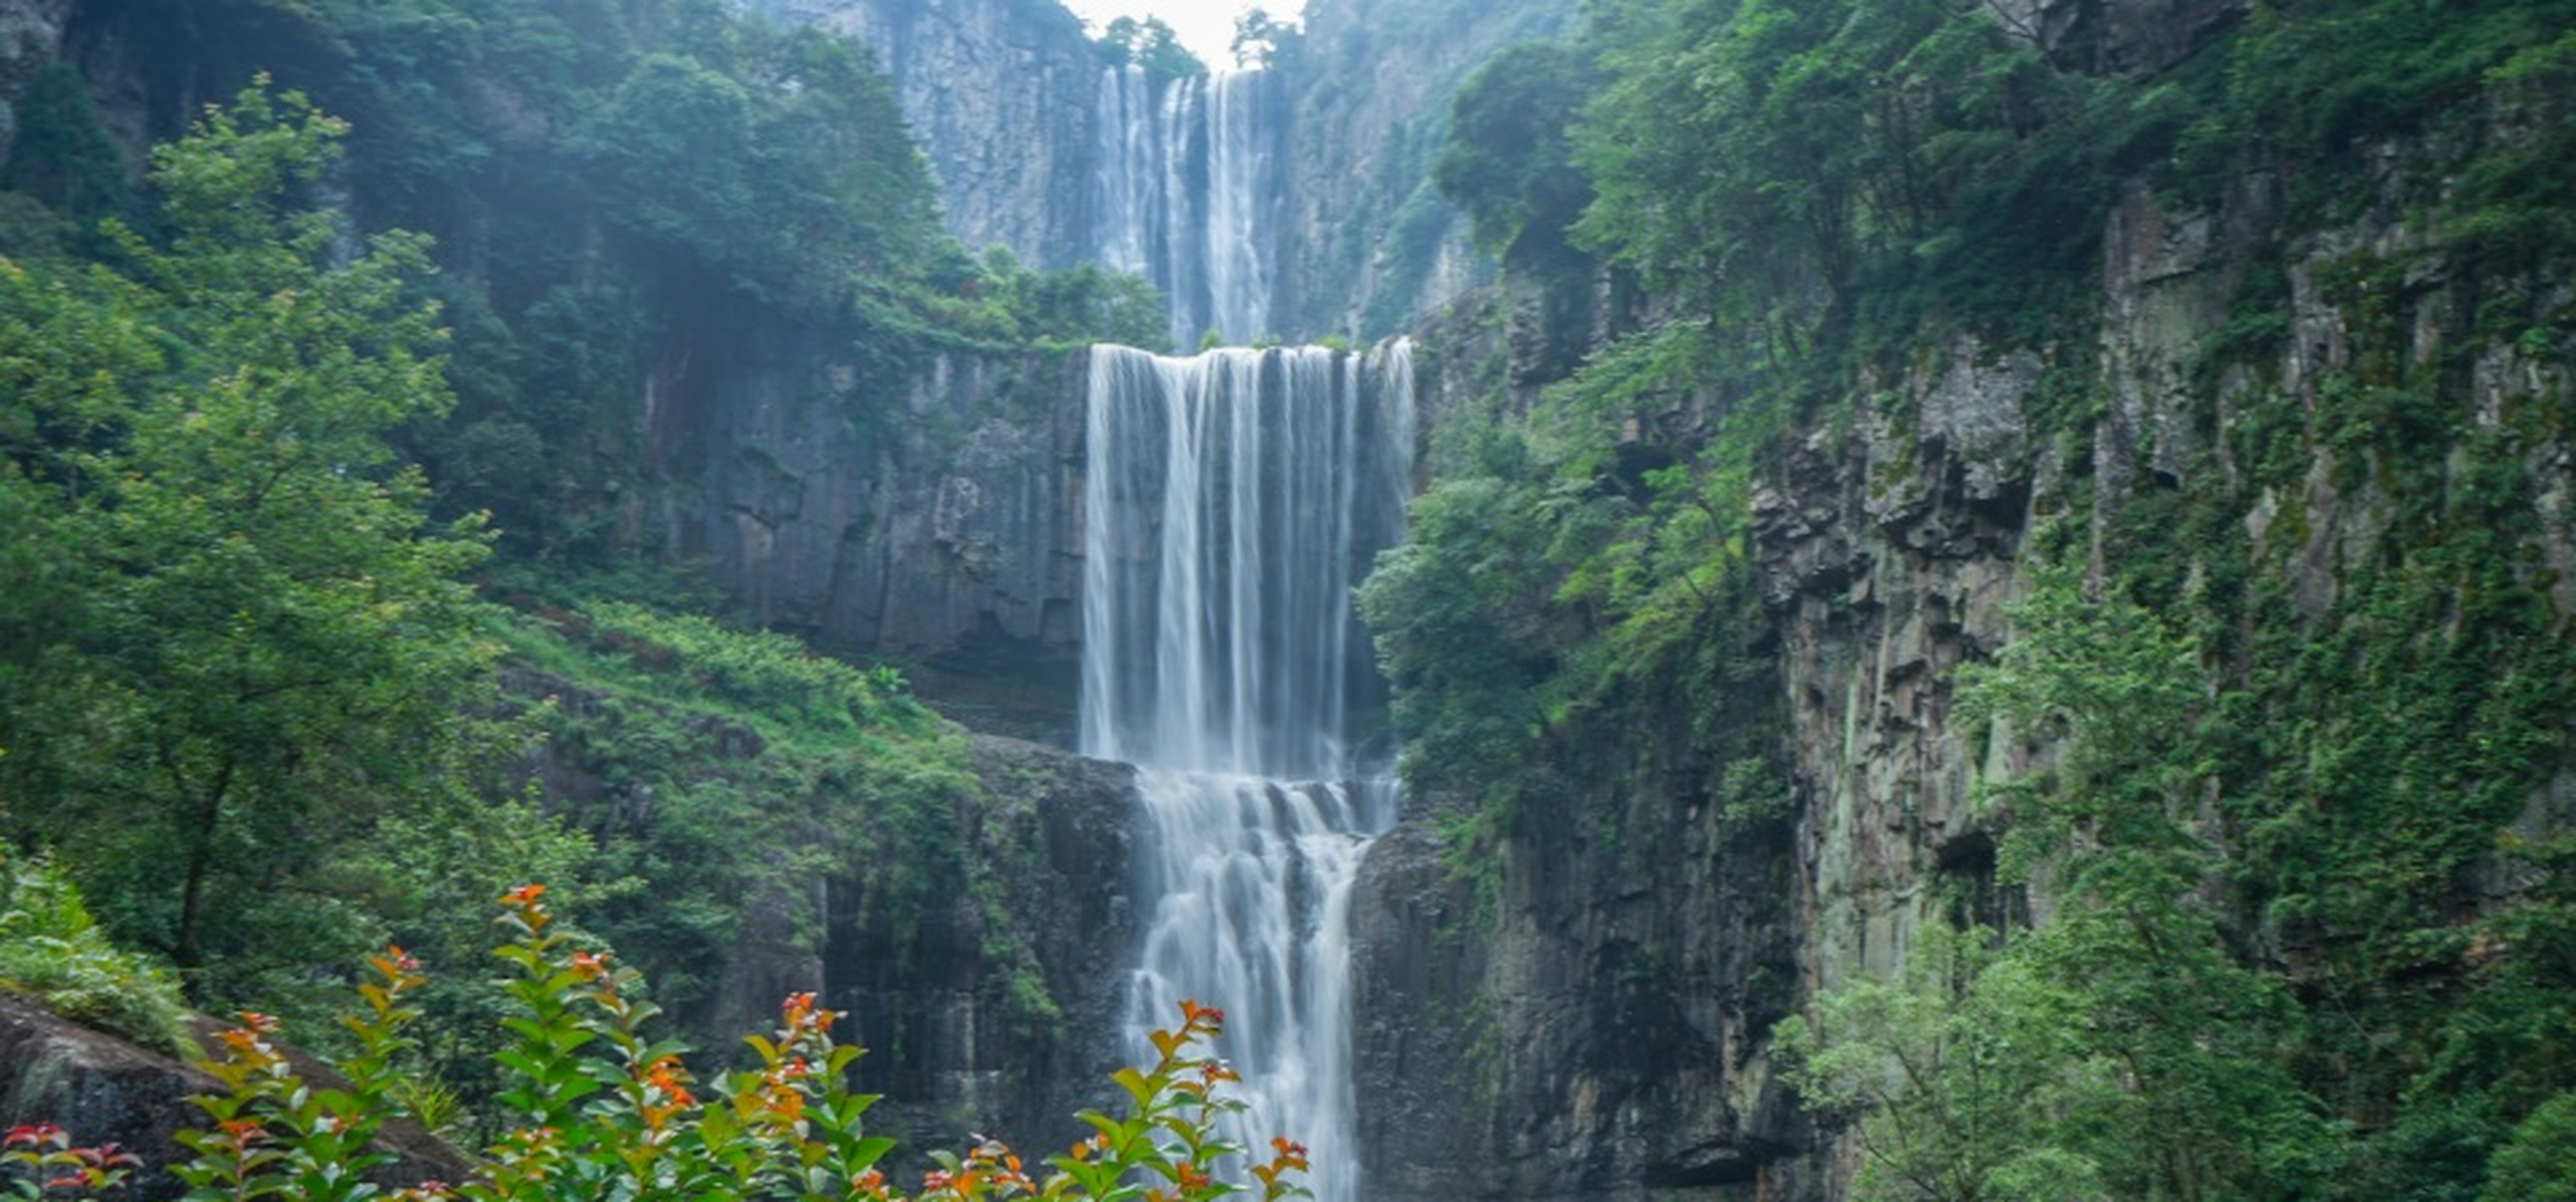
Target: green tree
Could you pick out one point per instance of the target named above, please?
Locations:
(2196, 1039)
(1259, 37)
(1510, 159)
(61, 155)
(777, 161)
(1150, 44)
(2540, 1164)
(246, 641)
(1954, 1075)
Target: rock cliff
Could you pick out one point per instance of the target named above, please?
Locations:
(31, 36)
(1003, 96)
(1372, 243)
(971, 943)
(944, 533)
(1585, 1013)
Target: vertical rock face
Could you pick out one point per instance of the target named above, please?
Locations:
(31, 36)
(1005, 97)
(1372, 244)
(1584, 1013)
(2118, 35)
(946, 535)
(983, 974)
(1000, 95)
(955, 1043)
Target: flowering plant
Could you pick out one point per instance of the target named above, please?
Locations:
(41, 1161)
(599, 1109)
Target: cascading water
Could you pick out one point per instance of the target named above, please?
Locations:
(1232, 501)
(1186, 177)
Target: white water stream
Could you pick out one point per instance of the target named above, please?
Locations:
(1185, 183)
(1232, 501)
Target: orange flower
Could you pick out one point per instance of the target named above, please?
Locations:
(243, 1041)
(1197, 1017)
(524, 895)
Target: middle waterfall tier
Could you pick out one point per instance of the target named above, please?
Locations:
(1232, 501)
(1187, 177)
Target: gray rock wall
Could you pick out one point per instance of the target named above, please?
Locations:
(929, 514)
(1372, 83)
(31, 36)
(1003, 96)
(101, 1089)
(1501, 1030)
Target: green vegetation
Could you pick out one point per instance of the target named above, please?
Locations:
(257, 460)
(1509, 162)
(241, 642)
(1150, 44)
(52, 950)
(601, 1108)
(617, 192)
(704, 752)
(2306, 905)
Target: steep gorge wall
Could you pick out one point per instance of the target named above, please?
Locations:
(1003, 97)
(1585, 1011)
(1371, 242)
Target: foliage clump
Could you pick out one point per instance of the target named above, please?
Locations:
(600, 1108)
(52, 950)
(240, 640)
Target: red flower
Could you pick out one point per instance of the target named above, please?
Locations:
(35, 1134)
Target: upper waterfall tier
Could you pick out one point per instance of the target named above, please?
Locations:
(1186, 191)
(1232, 502)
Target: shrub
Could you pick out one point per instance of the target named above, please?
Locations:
(52, 949)
(600, 1109)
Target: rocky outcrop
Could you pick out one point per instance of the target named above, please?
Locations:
(101, 1089)
(1003, 96)
(1577, 1022)
(2118, 35)
(1003, 1011)
(977, 941)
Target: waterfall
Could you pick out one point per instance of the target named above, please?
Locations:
(1232, 501)
(1185, 181)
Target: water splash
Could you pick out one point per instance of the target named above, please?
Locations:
(1232, 502)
